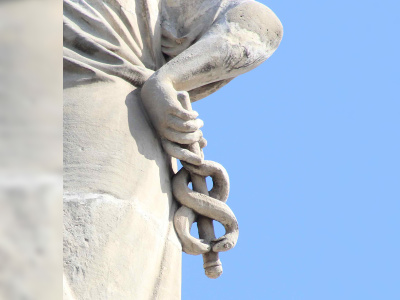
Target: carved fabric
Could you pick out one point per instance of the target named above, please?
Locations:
(117, 38)
(129, 38)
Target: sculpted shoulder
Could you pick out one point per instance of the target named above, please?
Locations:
(258, 18)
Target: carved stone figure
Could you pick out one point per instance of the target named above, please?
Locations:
(131, 70)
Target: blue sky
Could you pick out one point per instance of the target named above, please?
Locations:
(310, 140)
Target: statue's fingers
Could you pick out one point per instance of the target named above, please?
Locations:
(202, 142)
(185, 138)
(180, 153)
(185, 126)
(184, 114)
(184, 99)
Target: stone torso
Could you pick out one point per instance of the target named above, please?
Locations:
(119, 240)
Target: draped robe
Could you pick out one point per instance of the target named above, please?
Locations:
(119, 240)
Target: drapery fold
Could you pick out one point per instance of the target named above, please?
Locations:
(111, 38)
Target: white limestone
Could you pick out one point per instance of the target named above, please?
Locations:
(125, 64)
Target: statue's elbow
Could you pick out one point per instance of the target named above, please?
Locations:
(274, 32)
(258, 19)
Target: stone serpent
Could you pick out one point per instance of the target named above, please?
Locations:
(205, 206)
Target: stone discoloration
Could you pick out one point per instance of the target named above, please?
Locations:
(126, 63)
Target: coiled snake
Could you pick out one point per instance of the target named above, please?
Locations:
(203, 206)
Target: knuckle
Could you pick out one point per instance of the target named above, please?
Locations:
(184, 115)
(183, 94)
(189, 138)
(190, 125)
(195, 113)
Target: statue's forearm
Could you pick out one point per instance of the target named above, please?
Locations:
(238, 42)
(206, 90)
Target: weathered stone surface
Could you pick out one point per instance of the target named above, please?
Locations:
(119, 240)
(125, 64)
(116, 249)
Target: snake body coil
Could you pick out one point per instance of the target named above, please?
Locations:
(212, 206)
(202, 205)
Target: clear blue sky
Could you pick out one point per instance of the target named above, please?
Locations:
(311, 142)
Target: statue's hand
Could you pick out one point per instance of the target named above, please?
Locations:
(176, 126)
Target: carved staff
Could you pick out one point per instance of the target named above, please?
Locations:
(211, 262)
(209, 206)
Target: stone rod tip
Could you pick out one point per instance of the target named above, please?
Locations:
(213, 270)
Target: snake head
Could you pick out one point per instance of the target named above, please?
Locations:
(224, 243)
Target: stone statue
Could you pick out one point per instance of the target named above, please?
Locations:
(132, 68)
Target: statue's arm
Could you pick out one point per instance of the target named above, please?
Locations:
(238, 42)
(206, 90)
